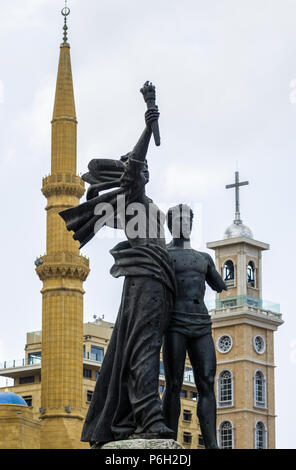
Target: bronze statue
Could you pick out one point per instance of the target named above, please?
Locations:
(126, 401)
(190, 328)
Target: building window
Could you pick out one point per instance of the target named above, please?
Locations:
(194, 396)
(251, 274)
(200, 440)
(97, 353)
(260, 389)
(224, 344)
(187, 438)
(97, 374)
(34, 358)
(259, 344)
(89, 395)
(188, 375)
(228, 303)
(228, 271)
(161, 389)
(161, 368)
(226, 435)
(225, 389)
(28, 400)
(183, 394)
(27, 380)
(260, 436)
(187, 415)
(87, 373)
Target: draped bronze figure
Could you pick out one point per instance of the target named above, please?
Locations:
(126, 401)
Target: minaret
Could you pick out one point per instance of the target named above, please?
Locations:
(243, 331)
(62, 270)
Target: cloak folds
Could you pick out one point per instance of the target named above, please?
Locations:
(103, 174)
(126, 398)
(126, 391)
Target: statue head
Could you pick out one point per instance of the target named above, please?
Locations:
(179, 220)
(145, 172)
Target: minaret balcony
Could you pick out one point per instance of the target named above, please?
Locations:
(60, 265)
(63, 183)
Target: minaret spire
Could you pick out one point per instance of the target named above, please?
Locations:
(64, 123)
(62, 270)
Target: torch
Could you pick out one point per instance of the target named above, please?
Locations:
(148, 92)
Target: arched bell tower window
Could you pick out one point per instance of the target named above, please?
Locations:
(260, 436)
(251, 274)
(226, 435)
(225, 389)
(228, 271)
(259, 389)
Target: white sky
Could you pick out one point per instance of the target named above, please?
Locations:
(225, 72)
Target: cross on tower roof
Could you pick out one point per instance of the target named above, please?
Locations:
(236, 185)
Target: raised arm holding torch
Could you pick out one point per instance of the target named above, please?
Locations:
(148, 92)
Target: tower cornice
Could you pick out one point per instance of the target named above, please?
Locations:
(247, 314)
(64, 118)
(63, 183)
(63, 265)
(238, 240)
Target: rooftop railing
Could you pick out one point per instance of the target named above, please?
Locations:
(20, 363)
(188, 373)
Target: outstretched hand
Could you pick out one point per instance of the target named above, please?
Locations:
(151, 115)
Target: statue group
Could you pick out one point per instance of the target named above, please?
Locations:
(162, 302)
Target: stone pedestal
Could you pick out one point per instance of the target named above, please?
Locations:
(141, 444)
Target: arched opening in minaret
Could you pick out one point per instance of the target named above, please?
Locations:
(251, 274)
(228, 271)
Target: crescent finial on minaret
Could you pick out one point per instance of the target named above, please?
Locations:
(65, 12)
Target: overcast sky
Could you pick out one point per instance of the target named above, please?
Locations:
(225, 72)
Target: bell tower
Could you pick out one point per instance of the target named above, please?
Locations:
(62, 270)
(243, 328)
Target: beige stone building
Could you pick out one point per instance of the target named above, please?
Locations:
(19, 430)
(96, 335)
(243, 329)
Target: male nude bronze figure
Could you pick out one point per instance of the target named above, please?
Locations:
(190, 327)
